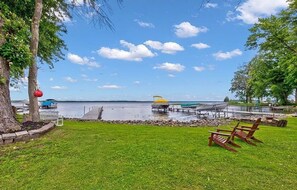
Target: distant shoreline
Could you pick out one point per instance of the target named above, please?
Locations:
(127, 101)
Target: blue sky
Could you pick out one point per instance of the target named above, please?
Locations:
(181, 50)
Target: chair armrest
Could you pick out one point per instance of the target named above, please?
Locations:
(242, 129)
(222, 134)
(245, 126)
(218, 130)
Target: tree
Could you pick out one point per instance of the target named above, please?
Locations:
(268, 77)
(276, 40)
(14, 57)
(94, 6)
(226, 99)
(240, 85)
(32, 79)
(259, 77)
(51, 46)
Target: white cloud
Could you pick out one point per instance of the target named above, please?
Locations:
(51, 79)
(227, 55)
(21, 82)
(251, 10)
(135, 53)
(136, 82)
(62, 16)
(90, 80)
(80, 4)
(24, 80)
(199, 69)
(210, 5)
(90, 15)
(59, 87)
(171, 75)
(82, 60)
(69, 79)
(168, 47)
(77, 2)
(110, 86)
(86, 78)
(176, 67)
(200, 46)
(14, 89)
(185, 30)
(204, 68)
(144, 24)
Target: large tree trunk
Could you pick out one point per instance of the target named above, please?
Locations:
(246, 99)
(296, 96)
(284, 99)
(32, 86)
(8, 123)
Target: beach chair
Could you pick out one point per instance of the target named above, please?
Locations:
(246, 133)
(52, 116)
(223, 139)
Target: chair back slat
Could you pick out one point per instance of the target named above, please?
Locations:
(254, 128)
(233, 131)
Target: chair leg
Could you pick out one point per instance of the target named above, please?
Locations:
(234, 144)
(232, 138)
(225, 146)
(209, 141)
(250, 142)
(229, 148)
(257, 140)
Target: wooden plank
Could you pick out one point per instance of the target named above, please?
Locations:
(254, 113)
(94, 114)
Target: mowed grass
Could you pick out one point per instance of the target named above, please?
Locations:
(90, 155)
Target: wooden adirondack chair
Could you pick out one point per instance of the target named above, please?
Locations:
(246, 133)
(223, 139)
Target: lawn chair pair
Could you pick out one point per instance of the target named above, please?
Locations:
(245, 133)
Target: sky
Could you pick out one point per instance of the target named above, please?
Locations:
(181, 50)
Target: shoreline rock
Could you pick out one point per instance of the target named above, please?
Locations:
(170, 123)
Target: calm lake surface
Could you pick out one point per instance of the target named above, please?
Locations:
(133, 110)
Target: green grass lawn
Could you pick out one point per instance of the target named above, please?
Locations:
(90, 155)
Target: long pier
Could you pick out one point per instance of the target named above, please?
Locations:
(253, 113)
(226, 112)
(94, 114)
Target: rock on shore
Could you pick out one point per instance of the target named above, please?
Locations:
(173, 123)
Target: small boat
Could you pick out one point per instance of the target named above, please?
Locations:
(189, 105)
(211, 107)
(160, 103)
(49, 104)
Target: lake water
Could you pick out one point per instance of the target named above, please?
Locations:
(121, 111)
(132, 110)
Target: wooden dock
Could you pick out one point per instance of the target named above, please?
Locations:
(94, 114)
(253, 113)
(179, 109)
(221, 112)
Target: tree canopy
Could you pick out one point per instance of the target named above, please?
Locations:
(273, 71)
(30, 33)
(15, 47)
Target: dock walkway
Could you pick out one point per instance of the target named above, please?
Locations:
(94, 114)
(254, 113)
